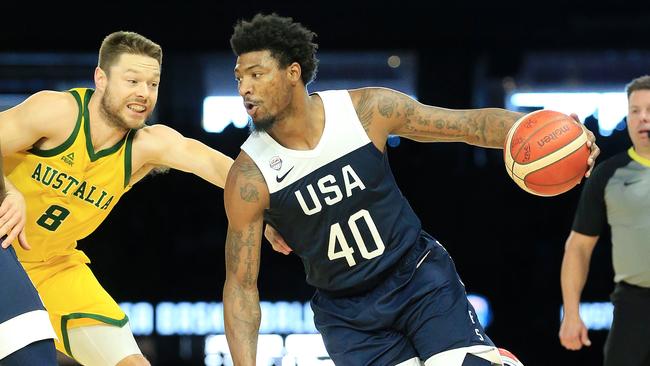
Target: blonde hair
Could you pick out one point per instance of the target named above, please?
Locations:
(118, 43)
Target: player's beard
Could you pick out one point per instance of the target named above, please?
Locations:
(111, 112)
(263, 124)
(266, 122)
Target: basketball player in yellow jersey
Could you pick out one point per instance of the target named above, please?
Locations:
(72, 155)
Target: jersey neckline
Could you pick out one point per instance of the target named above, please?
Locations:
(638, 158)
(302, 153)
(89, 141)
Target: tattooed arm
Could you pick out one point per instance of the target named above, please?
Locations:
(245, 197)
(386, 112)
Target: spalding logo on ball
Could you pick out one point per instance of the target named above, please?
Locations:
(546, 153)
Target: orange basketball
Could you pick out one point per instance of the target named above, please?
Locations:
(546, 153)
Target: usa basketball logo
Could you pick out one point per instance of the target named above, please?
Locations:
(275, 163)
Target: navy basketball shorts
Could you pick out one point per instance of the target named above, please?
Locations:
(420, 310)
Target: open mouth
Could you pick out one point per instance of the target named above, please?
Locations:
(250, 108)
(136, 107)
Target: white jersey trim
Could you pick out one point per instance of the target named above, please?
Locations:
(342, 134)
(24, 329)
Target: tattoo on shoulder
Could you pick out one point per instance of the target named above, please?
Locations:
(364, 109)
(249, 170)
(249, 193)
(246, 175)
(388, 106)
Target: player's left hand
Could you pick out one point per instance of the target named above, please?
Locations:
(13, 213)
(276, 240)
(591, 143)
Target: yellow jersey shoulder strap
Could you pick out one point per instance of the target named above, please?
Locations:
(82, 96)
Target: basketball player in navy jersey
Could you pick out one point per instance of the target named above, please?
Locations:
(26, 335)
(315, 169)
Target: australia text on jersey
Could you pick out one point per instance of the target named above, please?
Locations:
(67, 183)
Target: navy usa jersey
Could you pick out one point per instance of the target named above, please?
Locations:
(337, 206)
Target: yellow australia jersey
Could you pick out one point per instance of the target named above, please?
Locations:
(70, 189)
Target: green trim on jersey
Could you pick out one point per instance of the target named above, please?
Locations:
(101, 318)
(127, 157)
(67, 143)
(638, 158)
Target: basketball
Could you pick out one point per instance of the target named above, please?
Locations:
(509, 359)
(546, 153)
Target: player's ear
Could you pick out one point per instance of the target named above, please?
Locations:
(294, 72)
(101, 79)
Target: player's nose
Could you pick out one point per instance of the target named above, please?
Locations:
(245, 87)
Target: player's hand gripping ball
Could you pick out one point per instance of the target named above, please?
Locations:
(546, 153)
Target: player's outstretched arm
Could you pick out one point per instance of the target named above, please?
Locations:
(162, 146)
(386, 112)
(42, 116)
(245, 198)
(575, 268)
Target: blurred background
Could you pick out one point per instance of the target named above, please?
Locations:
(161, 252)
